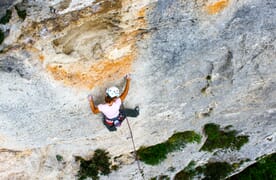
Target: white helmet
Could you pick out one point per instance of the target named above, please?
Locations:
(112, 92)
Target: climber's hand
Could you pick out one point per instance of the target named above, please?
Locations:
(90, 97)
(127, 77)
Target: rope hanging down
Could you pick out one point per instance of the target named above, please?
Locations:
(134, 148)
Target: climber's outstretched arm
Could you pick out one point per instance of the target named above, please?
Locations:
(124, 94)
(94, 109)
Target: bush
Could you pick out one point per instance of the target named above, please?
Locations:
(217, 170)
(263, 169)
(217, 138)
(155, 154)
(6, 18)
(178, 140)
(187, 173)
(59, 157)
(2, 36)
(211, 171)
(21, 13)
(99, 163)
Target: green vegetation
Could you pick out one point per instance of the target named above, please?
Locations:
(59, 157)
(6, 18)
(164, 177)
(218, 138)
(2, 36)
(178, 140)
(215, 170)
(211, 171)
(161, 177)
(265, 168)
(21, 13)
(187, 173)
(155, 154)
(99, 163)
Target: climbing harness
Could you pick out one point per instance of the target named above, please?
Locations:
(115, 121)
(133, 144)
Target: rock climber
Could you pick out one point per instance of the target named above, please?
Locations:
(113, 114)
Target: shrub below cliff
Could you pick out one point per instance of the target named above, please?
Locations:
(99, 163)
(222, 138)
(155, 154)
(210, 171)
(265, 168)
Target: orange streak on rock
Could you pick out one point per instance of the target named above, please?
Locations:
(142, 17)
(142, 12)
(41, 58)
(97, 74)
(89, 74)
(35, 53)
(59, 73)
(128, 38)
(217, 6)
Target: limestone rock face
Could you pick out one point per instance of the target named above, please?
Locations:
(4, 5)
(192, 63)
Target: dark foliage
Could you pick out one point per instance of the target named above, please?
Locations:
(6, 18)
(155, 154)
(59, 157)
(217, 138)
(264, 169)
(217, 170)
(211, 171)
(187, 173)
(99, 163)
(21, 13)
(2, 36)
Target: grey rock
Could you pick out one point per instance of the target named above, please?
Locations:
(4, 5)
(193, 69)
(13, 65)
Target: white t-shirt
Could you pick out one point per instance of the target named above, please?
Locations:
(111, 111)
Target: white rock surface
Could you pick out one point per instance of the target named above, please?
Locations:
(174, 46)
